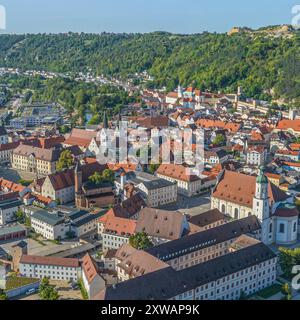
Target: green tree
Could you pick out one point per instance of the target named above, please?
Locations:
(96, 178)
(219, 140)
(153, 168)
(20, 215)
(64, 129)
(65, 161)
(108, 175)
(140, 241)
(3, 295)
(288, 258)
(286, 291)
(46, 291)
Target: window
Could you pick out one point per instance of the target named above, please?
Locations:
(271, 228)
(236, 213)
(281, 228)
(295, 226)
(223, 208)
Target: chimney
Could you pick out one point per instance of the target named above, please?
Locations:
(78, 177)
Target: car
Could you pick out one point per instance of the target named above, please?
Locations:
(30, 291)
(74, 286)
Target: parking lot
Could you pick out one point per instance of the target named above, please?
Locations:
(64, 290)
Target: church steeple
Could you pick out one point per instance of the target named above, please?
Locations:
(262, 183)
(180, 92)
(261, 206)
(105, 121)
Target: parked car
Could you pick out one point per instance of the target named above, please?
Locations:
(30, 291)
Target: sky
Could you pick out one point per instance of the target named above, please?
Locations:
(178, 16)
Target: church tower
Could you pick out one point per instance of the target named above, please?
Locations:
(261, 207)
(180, 92)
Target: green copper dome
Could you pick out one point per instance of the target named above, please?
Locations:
(261, 178)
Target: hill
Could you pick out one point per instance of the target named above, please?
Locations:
(265, 62)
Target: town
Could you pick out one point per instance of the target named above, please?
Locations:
(74, 228)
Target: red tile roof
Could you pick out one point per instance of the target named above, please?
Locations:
(53, 261)
(62, 180)
(120, 226)
(89, 268)
(176, 171)
(240, 189)
(6, 184)
(207, 123)
(289, 124)
(80, 137)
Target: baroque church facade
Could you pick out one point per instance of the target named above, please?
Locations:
(239, 195)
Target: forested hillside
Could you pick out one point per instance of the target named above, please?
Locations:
(264, 65)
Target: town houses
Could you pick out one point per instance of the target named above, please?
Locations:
(165, 221)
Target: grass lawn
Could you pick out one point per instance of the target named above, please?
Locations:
(16, 282)
(269, 292)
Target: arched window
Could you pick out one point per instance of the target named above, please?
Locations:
(223, 208)
(236, 213)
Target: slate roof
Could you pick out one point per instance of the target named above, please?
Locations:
(204, 239)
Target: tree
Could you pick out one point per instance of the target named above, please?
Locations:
(20, 215)
(46, 291)
(64, 129)
(140, 241)
(3, 295)
(286, 291)
(65, 161)
(153, 168)
(96, 178)
(219, 140)
(108, 175)
(288, 258)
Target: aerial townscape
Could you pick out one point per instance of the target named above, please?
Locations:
(222, 227)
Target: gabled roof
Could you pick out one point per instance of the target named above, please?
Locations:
(161, 223)
(80, 137)
(137, 263)
(39, 153)
(62, 180)
(289, 124)
(240, 189)
(120, 226)
(167, 283)
(207, 218)
(89, 268)
(53, 261)
(176, 171)
(200, 240)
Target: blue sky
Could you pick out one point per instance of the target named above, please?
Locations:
(185, 16)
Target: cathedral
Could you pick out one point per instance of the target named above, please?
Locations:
(240, 195)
